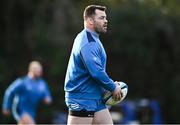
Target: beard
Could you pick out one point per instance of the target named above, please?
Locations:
(100, 29)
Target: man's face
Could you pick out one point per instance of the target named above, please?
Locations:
(100, 21)
(37, 70)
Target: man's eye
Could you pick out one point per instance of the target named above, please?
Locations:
(102, 18)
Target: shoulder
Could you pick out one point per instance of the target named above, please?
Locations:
(18, 81)
(85, 36)
(16, 84)
(90, 40)
(90, 37)
(42, 82)
(91, 46)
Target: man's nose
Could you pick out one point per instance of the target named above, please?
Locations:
(106, 21)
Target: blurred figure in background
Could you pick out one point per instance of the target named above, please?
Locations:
(24, 94)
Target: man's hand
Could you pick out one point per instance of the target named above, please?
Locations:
(47, 100)
(117, 95)
(6, 112)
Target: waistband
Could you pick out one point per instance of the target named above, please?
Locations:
(84, 95)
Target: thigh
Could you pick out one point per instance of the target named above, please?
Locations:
(74, 120)
(26, 119)
(103, 117)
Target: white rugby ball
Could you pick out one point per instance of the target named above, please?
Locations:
(108, 95)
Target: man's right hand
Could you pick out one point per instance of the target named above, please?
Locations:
(6, 112)
(117, 95)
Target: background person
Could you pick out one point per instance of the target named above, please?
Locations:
(24, 94)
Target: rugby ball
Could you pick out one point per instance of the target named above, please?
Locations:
(107, 98)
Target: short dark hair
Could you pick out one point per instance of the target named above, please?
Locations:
(90, 10)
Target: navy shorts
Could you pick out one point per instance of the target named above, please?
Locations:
(84, 107)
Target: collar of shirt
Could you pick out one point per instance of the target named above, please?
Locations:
(27, 77)
(93, 33)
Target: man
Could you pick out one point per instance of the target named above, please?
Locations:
(86, 75)
(24, 94)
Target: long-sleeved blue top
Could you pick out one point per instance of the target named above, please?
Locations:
(86, 72)
(29, 92)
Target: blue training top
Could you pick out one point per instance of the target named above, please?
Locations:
(29, 92)
(86, 72)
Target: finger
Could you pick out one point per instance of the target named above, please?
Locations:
(119, 96)
(115, 97)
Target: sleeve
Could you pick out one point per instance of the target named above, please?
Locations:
(10, 92)
(90, 55)
(47, 94)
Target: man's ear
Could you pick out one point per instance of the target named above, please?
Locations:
(90, 21)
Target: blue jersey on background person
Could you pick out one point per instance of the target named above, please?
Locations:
(24, 94)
